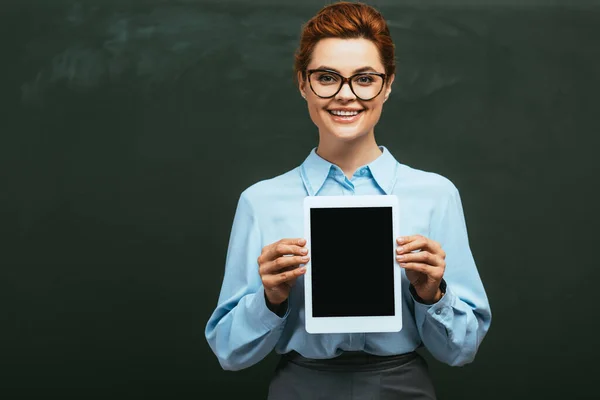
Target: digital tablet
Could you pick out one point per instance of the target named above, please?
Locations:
(352, 282)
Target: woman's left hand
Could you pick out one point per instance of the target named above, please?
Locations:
(424, 268)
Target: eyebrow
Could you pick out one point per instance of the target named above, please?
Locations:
(356, 71)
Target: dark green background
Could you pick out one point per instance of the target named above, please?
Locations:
(128, 130)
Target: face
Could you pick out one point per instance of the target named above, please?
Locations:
(344, 116)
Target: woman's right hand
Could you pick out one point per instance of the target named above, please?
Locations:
(278, 267)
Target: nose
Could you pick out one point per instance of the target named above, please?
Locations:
(345, 93)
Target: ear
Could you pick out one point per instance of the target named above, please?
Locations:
(301, 84)
(388, 87)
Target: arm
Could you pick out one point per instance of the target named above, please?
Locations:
(243, 330)
(453, 327)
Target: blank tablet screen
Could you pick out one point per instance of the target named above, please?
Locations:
(352, 261)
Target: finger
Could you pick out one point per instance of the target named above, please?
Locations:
(281, 248)
(270, 281)
(417, 242)
(411, 243)
(434, 273)
(423, 257)
(292, 282)
(279, 264)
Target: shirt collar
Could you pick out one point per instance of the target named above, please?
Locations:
(383, 169)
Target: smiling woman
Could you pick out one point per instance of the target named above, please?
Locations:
(345, 112)
(345, 70)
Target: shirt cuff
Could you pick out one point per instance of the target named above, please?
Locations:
(267, 317)
(440, 310)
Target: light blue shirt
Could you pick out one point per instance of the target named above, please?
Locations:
(242, 330)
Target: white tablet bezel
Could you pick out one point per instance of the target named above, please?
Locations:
(391, 323)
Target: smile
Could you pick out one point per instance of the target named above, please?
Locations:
(345, 116)
(345, 113)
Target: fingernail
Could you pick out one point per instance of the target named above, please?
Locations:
(400, 249)
(305, 258)
(302, 269)
(303, 251)
(400, 240)
(402, 264)
(399, 258)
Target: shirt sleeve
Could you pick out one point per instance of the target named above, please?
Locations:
(453, 328)
(242, 330)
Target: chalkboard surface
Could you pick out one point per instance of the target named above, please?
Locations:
(129, 129)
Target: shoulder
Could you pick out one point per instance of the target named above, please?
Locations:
(426, 182)
(267, 190)
(433, 195)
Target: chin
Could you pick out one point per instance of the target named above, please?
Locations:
(346, 134)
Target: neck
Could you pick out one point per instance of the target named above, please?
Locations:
(349, 156)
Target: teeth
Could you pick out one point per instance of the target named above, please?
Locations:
(344, 113)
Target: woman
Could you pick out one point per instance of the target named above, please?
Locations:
(345, 69)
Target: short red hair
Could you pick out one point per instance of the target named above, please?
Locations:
(346, 20)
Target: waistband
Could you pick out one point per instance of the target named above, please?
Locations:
(351, 361)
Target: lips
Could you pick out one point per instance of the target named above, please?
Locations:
(345, 116)
(344, 113)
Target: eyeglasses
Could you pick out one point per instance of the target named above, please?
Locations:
(326, 83)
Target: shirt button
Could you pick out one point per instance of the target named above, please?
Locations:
(438, 311)
(363, 171)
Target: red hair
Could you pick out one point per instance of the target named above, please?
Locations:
(346, 20)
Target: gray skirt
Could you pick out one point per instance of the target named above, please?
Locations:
(352, 376)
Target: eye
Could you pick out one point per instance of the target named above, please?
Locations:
(364, 79)
(326, 78)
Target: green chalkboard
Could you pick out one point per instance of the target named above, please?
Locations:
(129, 129)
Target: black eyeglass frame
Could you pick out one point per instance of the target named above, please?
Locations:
(309, 72)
